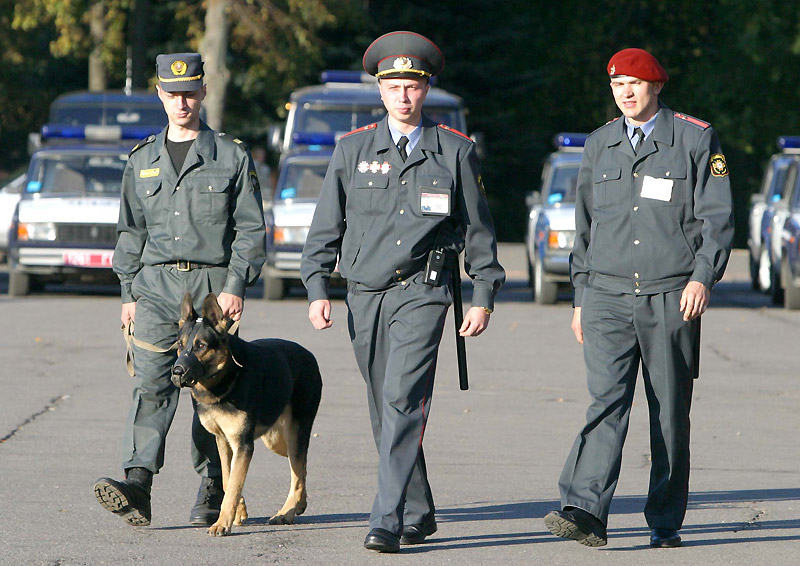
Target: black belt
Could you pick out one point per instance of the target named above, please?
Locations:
(185, 265)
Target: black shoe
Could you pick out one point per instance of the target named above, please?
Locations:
(129, 498)
(415, 534)
(382, 541)
(664, 538)
(576, 524)
(209, 500)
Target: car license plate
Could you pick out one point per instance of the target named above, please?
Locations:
(88, 259)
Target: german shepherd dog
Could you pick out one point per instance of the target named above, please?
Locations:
(244, 390)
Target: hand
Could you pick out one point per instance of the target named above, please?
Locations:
(694, 300)
(475, 321)
(231, 305)
(319, 313)
(128, 314)
(576, 324)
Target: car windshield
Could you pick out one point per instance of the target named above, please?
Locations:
(301, 180)
(76, 175)
(564, 183)
(345, 119)
(109, 115)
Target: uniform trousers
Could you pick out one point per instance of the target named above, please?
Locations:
(395, 335)
(158, 291)
(619, 331)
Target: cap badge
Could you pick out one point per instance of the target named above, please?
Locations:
(178, 68)
(402, 63)
(363, 167)
(612, 70)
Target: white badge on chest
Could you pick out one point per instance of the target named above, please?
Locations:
(658, 189)
(434, 203)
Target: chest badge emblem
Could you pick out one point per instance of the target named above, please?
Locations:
(363, 167)
(374, 167)
(385, 167)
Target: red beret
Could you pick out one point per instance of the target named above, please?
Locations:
(636, 63)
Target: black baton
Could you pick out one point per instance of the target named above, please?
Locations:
(458, 317)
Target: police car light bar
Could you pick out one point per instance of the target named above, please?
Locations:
(345, 77)
(314, 138)
(98, 133)
(565, 140)
(788, 142)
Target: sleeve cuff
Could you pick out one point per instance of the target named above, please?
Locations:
(578, 297)
(483, 296)
(234, 286)
(704, 275)
(125, 292)
(317, 288)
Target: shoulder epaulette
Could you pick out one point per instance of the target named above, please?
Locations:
(606, 124)
(362, 129)
(229, 137)
(447, 128)
(692, 120)
(141, 144)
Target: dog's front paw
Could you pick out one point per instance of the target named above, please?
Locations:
(217, 530)
(282, 518)
(241, 513)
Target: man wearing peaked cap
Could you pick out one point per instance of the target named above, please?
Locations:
(654, 228)
(396, 194)
(190, 220)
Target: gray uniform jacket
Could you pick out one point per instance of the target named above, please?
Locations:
(381, 216)
(208, 213)
(652, 222)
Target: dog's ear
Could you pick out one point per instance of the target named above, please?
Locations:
(187, 310)
(212, 312)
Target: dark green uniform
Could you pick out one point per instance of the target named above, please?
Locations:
(646, 225)
(380, 217)
(199, 230)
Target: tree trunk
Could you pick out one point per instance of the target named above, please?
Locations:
(98, 74)
(214, 49)
(138, 33)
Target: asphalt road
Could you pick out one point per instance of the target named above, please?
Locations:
(494, 453)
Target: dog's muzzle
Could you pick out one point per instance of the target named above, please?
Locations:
(186, 370)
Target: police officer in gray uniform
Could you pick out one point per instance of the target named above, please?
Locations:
(654, 228)
(394, 192)
(190, 221)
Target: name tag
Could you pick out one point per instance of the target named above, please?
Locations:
(658, 189)
(434, 203)
(145, 173)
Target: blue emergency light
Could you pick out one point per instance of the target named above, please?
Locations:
(566, 140)
(788, 142)
(98, 133)
(314, 138)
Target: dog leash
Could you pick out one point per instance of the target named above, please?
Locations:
(131, 340)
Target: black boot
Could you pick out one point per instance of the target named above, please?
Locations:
(209, 500)
(129, 498)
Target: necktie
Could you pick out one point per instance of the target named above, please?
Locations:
(638, 146)
(401, 145)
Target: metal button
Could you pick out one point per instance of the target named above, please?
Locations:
(435, 182)
(148, 192)
(403, 182)
(178, 188)
(667, 173)
(402, 211)
(604, 175)
(177, 238)
(398, 271)
(636, 174)
(398, 242)
(177, 213)
(635, 208)
(210, 188)
(636, 275)
(400, 279)
(370, 183)
(638, 290)
(403, 282)
(636, 242)
(637, 283)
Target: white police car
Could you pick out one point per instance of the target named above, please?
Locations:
(550, 231)
(65, 224)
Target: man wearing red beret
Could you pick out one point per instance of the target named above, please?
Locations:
(654, 228)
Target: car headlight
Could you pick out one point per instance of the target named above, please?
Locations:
(561, 239)
(290, 234)
(45, 231)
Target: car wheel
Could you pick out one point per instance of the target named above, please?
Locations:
(775, 288)
(530, 267)
(544, 292)
(19, 283)
(753, 272)
(791, 292)
(274, 288)
(764, 271)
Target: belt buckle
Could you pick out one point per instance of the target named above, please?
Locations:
(183, 265)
